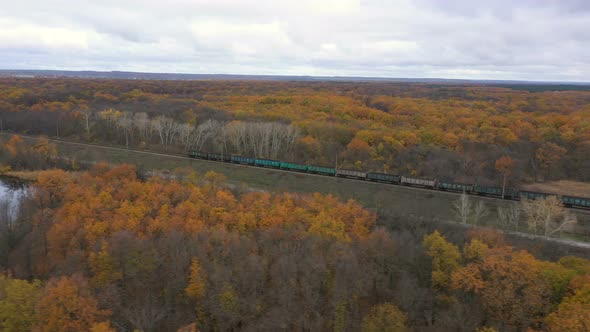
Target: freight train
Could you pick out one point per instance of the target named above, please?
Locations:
(434, 184)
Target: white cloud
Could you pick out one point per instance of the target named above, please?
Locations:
(20, 34)
(242, 38)
(528, 39)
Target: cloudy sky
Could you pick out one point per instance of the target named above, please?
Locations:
(502, 39)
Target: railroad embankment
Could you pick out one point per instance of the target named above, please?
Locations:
(392, 202)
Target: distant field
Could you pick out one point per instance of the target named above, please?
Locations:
(563, 187)
(391, 202)
(24, 175)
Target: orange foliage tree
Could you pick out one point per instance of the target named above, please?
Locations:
(509, 285)
(549, 154)
(504, 165)
(67, 305)
(104, 201)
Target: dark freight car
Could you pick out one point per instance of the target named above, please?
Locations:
(383, 177)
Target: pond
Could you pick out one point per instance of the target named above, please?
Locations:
(11, 193)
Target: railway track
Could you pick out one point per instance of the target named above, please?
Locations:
(184, 157)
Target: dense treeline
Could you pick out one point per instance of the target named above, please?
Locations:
(427, 130)
(106, 250)
(16, 154)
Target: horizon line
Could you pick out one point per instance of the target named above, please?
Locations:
(295, 77)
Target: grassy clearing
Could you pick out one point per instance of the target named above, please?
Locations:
(23, 176)
(562, 187)
(385, 198)
(30, 176)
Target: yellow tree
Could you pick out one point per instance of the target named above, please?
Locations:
(229, 303)
(214, 179)
(17, 304)
(196, 286)
(104, 268)
(384, 317)
(445, 259)
(328, 226)
(102, 327)
(573, 314)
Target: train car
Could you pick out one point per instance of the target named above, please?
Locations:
(577, 202)
(321, 170)
(533, 194)
(293, 167)
(242, 160)
(382, 177)
(346, 173)
(197, 154)
(487, 190)
(454, 186)
(509, 193)
(406, 180)
(219, 157)
(267, 163)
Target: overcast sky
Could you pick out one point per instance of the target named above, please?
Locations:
(502, 39)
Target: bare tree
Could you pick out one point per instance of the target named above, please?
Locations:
(143, 124)
(125, 125)
(185, 133)
(145, 314)
(216, 133)
(236, 135)
(547, 215)
(253, 139)
(462, 208)
(7, 214)
(510, 216)
(262, 139)
(479, 212)
(86, 116)
(205, 131)
(194, 137)
(566, 224)
(283, 137)
(166, 129)
(291, 135)
(276, 139)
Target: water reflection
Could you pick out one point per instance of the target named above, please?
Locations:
(11, 193)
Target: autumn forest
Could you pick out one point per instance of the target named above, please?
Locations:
(437, 131)
(100, 247)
